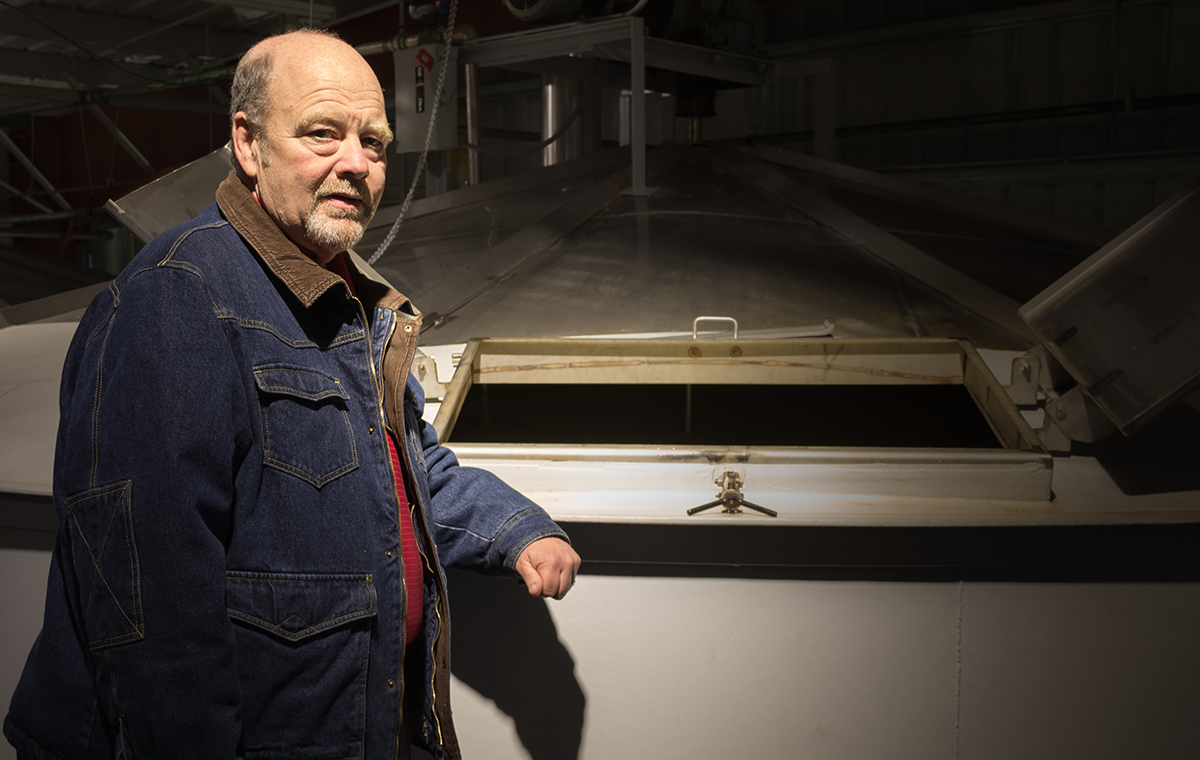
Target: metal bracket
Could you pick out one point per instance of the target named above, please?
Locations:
(1039, 381)
(1079, 417)
(1023, 387)
(731, 500)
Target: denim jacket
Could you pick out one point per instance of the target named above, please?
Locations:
(227, 577)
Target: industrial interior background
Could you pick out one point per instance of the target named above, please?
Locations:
(962, 639)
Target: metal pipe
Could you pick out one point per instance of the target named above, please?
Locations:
(401, 41)
(113, 129)
(633, 11)
(33, 170)
(121, 138)
(54, 217)
(561, 97)
(26, 197)
(637, 88)
(47, 235)
(472, 77)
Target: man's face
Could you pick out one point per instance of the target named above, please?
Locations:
(320, 162)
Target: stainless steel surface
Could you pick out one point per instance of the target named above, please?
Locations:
(923, 196)
(499, 189)
(707, 239)
(492, 267)
(1124, 322)
(172, 199)
(995, 307)
(564, 99)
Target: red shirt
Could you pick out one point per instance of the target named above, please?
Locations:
(414, 575)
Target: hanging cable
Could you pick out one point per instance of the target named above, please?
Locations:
(437, 101)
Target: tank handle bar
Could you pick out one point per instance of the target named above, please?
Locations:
(696, 325)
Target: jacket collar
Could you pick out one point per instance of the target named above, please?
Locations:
(307, 279)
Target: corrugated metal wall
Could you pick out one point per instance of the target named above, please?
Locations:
(1104, 169)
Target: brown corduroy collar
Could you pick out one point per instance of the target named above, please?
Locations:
(307, 279)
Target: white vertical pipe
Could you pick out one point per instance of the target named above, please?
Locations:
(637, 102)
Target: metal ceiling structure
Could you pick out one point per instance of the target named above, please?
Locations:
(1071, 68)
(59, 54)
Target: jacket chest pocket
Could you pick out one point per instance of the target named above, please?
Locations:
(306, 429)
(303, 647)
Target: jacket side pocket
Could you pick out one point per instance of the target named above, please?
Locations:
(303, 648)
(104, 559)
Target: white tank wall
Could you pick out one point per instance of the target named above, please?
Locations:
(723, 667)
(688, 667)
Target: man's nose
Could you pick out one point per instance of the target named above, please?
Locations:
(352, 162)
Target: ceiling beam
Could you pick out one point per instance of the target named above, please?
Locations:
(118, 37)
(42, 67)
(967, 23)
(316, 13)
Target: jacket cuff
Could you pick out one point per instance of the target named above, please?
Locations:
(521, 530)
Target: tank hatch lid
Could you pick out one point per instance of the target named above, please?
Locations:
(1126, 322)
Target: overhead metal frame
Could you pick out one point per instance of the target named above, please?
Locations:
(33, 170)
(556, 50)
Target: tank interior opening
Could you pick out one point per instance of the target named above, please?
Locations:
(905, 416)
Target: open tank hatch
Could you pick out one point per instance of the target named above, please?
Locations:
(917, 429)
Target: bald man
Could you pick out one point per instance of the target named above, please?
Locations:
(253, 516)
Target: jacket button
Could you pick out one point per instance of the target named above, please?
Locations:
(371, 430)
(408, 328)
(391, 684)
(388, 553)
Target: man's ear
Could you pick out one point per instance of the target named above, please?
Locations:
(245, 145)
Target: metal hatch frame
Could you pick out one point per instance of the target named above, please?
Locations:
(1124, 323)
(807, 485)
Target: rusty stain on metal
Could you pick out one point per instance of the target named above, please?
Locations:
(873, 371)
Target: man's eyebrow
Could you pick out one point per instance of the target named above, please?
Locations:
(380, 128)
(318, 117)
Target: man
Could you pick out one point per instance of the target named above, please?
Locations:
(253, 515)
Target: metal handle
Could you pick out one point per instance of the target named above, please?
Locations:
(697, 320)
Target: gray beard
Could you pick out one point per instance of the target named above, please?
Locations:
(334, 228)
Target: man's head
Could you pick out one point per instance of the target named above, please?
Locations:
(310, 138)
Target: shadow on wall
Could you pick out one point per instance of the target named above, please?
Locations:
(506, 647)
